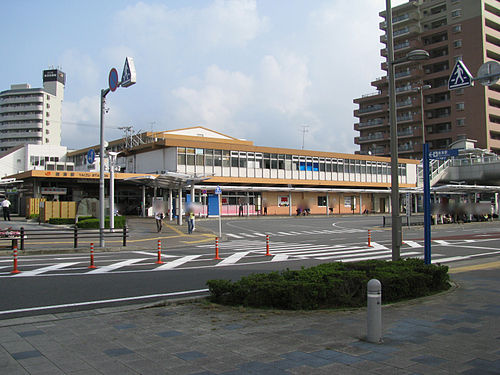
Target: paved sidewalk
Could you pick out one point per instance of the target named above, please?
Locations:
(457, 332)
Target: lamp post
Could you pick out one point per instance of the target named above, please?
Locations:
(411, 56)
(128, 79)
(420, 89)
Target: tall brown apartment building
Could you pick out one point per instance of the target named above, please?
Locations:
(449, 30)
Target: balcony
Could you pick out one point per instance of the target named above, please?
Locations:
(405, 133)
(23, 108)
(33, 116)
(27, 134)
(369, 138)
(368, 124)
(369, 109)
(23, 125)
(21, 100)
(404, 118)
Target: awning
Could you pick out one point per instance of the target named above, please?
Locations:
(168, 180)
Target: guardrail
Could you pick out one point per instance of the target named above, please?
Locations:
(405, 220)
(76, 234)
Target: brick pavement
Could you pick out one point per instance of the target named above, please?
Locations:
(457, 332)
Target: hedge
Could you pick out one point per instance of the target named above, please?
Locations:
(331, 285)
(120, 222)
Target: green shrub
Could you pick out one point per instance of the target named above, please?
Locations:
(331, 285)
(61, 221)
(93, 223)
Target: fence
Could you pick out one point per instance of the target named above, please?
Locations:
(405, 220)
(45, 236)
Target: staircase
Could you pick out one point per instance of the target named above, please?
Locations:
(437, 169)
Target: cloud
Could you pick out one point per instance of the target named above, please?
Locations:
(215, 100)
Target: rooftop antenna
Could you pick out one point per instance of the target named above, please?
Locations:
(305, 129)
(152, 123)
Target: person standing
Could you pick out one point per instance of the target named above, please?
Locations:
(6, 209)
(159, 220)
(240, 211)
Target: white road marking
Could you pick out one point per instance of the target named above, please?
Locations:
(413, 244)
(233, 258)
(154, 254)
(234, 235)
(279, 258)
(176, 263)
(88, 303)
(44, 269)
(441, 242)
(115, 266)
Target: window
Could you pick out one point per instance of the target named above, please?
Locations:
(190, 156)
(47, 122)
(181, 156)
(457, 43)
(225, 158)
(47, 114)
(457, 28)
(460, 122)
(199, 157)
(322, 201)
(209, 158)
(218, 158)
(456, 13)
(48, 105)
(460, 106)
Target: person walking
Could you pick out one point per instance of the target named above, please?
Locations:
(6, 209)
(190, 222)
(159, 220)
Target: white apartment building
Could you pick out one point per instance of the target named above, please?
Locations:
(32, 115)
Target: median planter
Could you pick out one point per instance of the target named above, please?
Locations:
(331, 285)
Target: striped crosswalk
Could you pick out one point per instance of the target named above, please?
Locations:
(237, 253)
(242, 235)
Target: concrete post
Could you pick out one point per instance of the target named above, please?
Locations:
(170, 204)
(143, 201)
(374, 311)
(179, 211)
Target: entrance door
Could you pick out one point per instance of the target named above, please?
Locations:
(213, 205)
(382, 205)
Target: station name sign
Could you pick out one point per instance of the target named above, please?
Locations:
(443, 154)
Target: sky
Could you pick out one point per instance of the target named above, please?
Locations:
(280, 73)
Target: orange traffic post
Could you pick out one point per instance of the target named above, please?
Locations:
(15, 270)
(216, 248)
(92, 265)
(369, 238)
(267, 245)
(159, 261)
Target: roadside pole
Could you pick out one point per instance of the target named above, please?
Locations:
(427, 207)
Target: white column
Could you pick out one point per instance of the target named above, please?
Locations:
(327, 206)
(170, 205)
(143, 200)
(179, 213)
(290, 204)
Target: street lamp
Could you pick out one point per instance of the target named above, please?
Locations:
(421, 89)
(415, 55)
(128, 79)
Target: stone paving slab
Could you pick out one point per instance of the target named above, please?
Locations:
(456, 332)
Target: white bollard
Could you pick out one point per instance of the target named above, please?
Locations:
(374, 311)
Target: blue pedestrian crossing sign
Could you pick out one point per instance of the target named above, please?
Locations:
(218, 190)
(460, 76)
(128, 75)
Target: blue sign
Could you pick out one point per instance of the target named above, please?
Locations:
(443, 154)
(90, 156)
(113, 79)
(218, 190)
(460, 76)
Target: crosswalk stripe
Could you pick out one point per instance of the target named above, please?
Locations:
(259, 234)
(248, 235)
(115, 266)
(279, 258)
(45, 269)
(285, 233)
(176, 263)
(378, 257)
(154, 254)
(413, 243)
(234, 235)
(441, 242)
(233, 258)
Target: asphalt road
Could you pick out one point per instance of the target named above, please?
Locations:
(59, 283)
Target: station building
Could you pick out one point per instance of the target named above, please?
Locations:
(187, 165)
